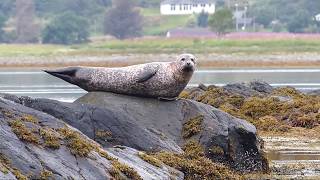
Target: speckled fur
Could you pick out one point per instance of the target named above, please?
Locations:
(169, 80)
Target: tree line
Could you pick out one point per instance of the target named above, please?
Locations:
(63, 21)
(72, 21)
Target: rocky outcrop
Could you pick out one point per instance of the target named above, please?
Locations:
(151, 125)
(36, 145)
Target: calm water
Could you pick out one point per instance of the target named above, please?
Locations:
(35, 83)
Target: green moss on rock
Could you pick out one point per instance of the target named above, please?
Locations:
(124, 169)
(192, 126)
(19, 175)
(278, 111)
(77, 144)
(193, 149)
(270, 123)
(22, 132)
(45, 174)
(50, 137)
(256, 107)
(196, 167)
(149, 159)
(29, 118)
(216, 150)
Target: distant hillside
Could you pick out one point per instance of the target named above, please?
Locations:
(157, 24)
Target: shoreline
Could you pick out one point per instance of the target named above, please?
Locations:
(302, 60)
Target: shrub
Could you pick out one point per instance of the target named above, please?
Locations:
(66, 28)
(123, 20)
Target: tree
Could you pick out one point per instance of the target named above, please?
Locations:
(148, 3)
(202, 19)
(221, 21)
(66, 28)
(6, 7)
(299, 22)
(123, 20)
(26, 29)
(2, 32)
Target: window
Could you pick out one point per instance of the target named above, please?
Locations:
(185, 7)
(180, 7)
(195, 5)
(173, 7)
(209, 5)
(203, 5)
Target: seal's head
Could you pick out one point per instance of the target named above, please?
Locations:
(186, 63)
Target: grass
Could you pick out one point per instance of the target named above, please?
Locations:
(162, 45)
(16, 50)
(150, 11)
(205, 46)
(157, 24)
(258, 50)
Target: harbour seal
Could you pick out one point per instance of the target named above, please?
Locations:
(164, 80)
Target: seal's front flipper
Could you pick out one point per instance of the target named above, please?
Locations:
(168, 99)
(67, 74)
(147, 73)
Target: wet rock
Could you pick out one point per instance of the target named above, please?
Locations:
(203, 87)
(315, 92)
(241, 89)
(152, 125)
(261, 86)
(24, 152)
(129, 156)
(107, 126)
(253, 88)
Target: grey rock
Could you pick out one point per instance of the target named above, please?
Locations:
(32, 159)
(7, 175)
(261, 86)
(92, 119)
(253, 88)
(241, 89)
(152, 125)
(314, 92)
(129, 156)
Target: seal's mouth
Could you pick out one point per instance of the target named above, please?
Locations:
(188, 68)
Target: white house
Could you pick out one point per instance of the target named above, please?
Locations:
(181, 7)
(317, 17)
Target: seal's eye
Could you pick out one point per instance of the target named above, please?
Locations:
(183, 59)
(192, 59)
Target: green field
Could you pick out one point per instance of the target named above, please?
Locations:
(162, 45)
(156, 24)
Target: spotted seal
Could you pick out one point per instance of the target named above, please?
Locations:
(163, 80)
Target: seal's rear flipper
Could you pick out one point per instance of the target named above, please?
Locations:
(67, 74)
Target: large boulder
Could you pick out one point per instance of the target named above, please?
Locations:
(152, 125)
(36, 145)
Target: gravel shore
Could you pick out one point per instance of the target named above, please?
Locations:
(204, 60)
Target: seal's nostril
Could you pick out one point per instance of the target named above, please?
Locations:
(188, 63)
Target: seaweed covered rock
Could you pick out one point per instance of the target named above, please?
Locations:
(35, 145)
(152, 126)
(269, 109)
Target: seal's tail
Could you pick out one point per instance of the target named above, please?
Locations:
(67, 74)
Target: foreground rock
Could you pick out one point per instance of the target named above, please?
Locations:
(152, 125)
(36, 145)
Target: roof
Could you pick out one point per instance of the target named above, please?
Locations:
(192, 32)
(188, 2)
